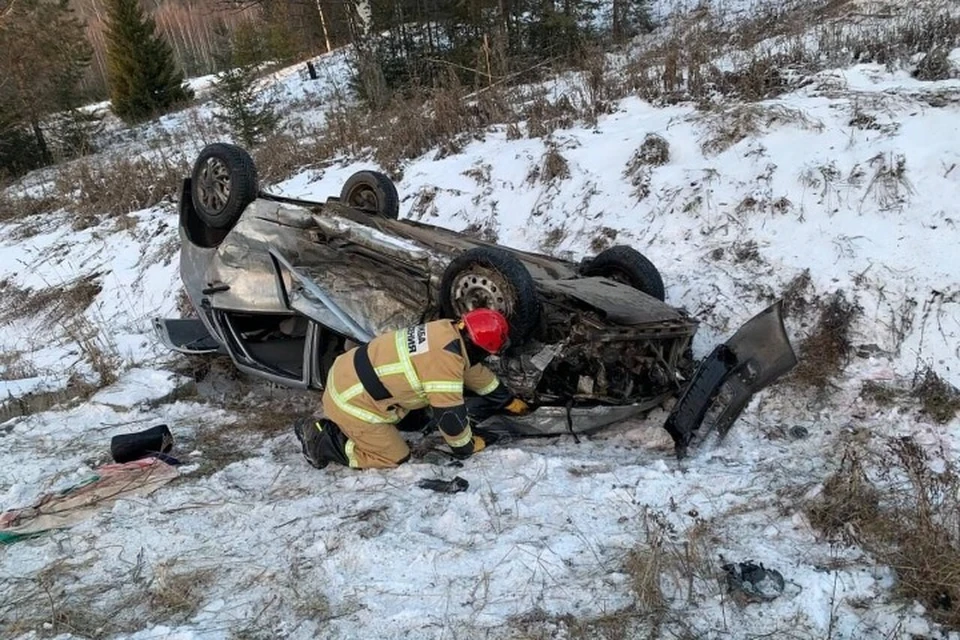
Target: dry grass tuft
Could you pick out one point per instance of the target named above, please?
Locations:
(540, 625)
(881, 394)
(604, 239)
(176, 594)
(554, 166)
(109, 188)
(889, 184)
(406, 127)
(281, 156)
(938, 399)
(798, 294)
(59, 599)
(543, 117)
(894, 504)
(64, 306)
(825, 352)
(848, 500)
(56, 303)
(653, 152)
(668, 569)
(25, 206)
(731, 125)
(935, 65)
(98, 349)
(13, 366)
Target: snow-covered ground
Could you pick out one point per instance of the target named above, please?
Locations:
(852, 178)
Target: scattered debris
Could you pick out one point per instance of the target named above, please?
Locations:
(753, 582)
(456, 485)
(77, 503)
(128, 447)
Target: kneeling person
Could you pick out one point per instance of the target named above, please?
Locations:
(372, 387)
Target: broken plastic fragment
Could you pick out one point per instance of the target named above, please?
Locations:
(753, 581)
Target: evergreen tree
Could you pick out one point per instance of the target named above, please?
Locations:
(144, 80)
(248, 111)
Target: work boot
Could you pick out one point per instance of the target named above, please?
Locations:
(321, 441)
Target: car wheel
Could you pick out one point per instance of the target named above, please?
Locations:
(224, 182)
(629, 266)
(372, 192)
(495, 279)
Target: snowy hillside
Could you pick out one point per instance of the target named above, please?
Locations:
(840, 195)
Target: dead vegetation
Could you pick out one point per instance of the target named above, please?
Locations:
(262, 411)
(58, 600)
(65, 306)
(667, 570)
(883, 395)
(938, 399)
(18, 207)
(776, 49)
(603, 239)
(96, 189)
(54, 303)
(825, 351)
(935, 65)
(890, 500)
(889, 184)
(554, 166)
(541, 625)
(176, 592)
(654, 151)
(13, 366)
(726, 127)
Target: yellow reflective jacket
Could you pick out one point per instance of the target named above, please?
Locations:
(419, 366)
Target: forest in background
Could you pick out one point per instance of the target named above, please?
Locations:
(290, 29)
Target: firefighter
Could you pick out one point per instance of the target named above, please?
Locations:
(371, 388)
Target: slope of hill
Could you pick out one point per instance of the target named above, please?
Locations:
(838, 195)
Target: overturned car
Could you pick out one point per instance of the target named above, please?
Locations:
(284, 286)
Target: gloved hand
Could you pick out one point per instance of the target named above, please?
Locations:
(517, 407)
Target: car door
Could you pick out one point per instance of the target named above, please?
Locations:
(276, 347)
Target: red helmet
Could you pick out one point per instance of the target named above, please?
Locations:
(488, 329)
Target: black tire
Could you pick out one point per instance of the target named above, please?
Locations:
(494, 278)
(224, 182)
(371, 192)
(629, 266)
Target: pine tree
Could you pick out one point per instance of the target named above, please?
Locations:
(250, 113)
(144, 80)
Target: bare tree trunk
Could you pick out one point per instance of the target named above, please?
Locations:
(41, 141)
(323, 26)
(617, 26)
(364, 15)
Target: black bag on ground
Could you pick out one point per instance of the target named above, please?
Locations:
(127, 447)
